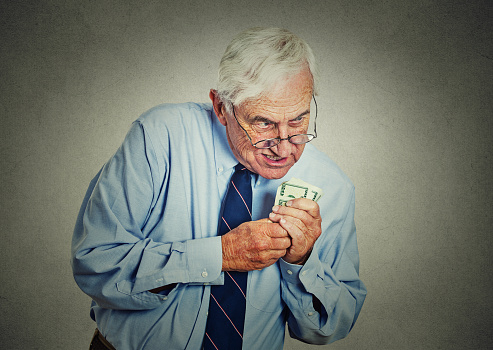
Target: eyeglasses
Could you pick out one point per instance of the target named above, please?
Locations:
(297, 139)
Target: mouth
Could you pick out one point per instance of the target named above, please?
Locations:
(275, 160)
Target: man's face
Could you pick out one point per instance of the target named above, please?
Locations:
(281, 113)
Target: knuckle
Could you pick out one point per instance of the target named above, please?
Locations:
(307, 217)
(299, 222)
(277, 231)
(261, 244)
(264, 259)
(286, 243)
(317, 232)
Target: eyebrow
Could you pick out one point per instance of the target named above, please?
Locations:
(303, 114)
(260, 119)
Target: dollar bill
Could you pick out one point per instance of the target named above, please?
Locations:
(296, 188)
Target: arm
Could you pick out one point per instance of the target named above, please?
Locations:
(114, 260)
(325, 294)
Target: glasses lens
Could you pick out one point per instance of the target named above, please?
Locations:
(267, 143)
(295, 139)
(302, 138)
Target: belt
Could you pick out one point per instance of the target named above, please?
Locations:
(99, 342)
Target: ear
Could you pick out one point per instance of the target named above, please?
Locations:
(218, 105)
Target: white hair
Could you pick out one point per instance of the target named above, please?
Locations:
(257, 59)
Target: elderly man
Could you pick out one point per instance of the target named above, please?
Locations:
(147, 246)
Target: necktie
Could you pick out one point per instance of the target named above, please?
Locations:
(226, 316)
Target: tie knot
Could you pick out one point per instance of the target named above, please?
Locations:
(240, 167)
(242, 174)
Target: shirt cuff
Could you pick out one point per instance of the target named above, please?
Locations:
(205, 259)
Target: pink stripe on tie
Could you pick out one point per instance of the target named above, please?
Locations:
(241, 290)
(227, 316)
(211, 340)
(246, 206)
(222, 217)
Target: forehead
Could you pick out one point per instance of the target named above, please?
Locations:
(289, 97)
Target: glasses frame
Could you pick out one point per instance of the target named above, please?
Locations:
(313, 136)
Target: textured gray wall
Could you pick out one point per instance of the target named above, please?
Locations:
(405, 110)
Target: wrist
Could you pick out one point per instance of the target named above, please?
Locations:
(303, 260)
(226, 253)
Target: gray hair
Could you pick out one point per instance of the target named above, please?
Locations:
(257, 59)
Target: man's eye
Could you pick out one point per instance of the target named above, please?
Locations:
(297, 121)
(263, 125)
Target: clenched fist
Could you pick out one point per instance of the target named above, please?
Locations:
(301, 219)
(254, 245)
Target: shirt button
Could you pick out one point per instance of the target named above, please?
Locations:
(165, 298)
(206, 283)
(289, 272)
(303, 273)
(310, 313)
(220, 169)
(205, 274)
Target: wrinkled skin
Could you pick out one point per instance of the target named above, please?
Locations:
(290, 231)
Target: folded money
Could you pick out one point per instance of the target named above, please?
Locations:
(296, 188)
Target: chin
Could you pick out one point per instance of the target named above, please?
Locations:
(273, 174)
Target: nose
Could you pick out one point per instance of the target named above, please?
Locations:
(283, 132)
(283, 148)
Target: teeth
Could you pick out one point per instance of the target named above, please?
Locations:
(273, 157)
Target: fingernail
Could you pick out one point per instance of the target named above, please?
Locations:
(271, 215)
(289, 203)
(282, 221)
(275, 208)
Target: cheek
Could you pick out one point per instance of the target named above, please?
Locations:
(241, 145)
(299, 150)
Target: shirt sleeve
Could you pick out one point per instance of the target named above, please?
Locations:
(114, 260)
(325, 295)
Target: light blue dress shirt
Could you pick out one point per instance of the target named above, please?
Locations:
(150, 219)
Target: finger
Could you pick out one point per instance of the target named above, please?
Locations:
(274, 230)
(272, 259)
(301, 245)
(273, 217)
(299, 214)
(280, 243)
(309, 206)
(295, 229)
(273, 254)
(300, 224)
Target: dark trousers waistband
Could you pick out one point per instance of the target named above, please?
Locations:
(99, 342)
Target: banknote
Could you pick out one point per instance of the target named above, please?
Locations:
(296, 188)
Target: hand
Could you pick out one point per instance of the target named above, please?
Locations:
(254, 245)
(301, 219)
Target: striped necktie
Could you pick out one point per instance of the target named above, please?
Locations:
(224, 329)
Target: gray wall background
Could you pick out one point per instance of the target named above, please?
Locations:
(405, 110)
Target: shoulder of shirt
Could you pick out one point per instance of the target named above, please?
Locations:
(174, 114)
(320, 168)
